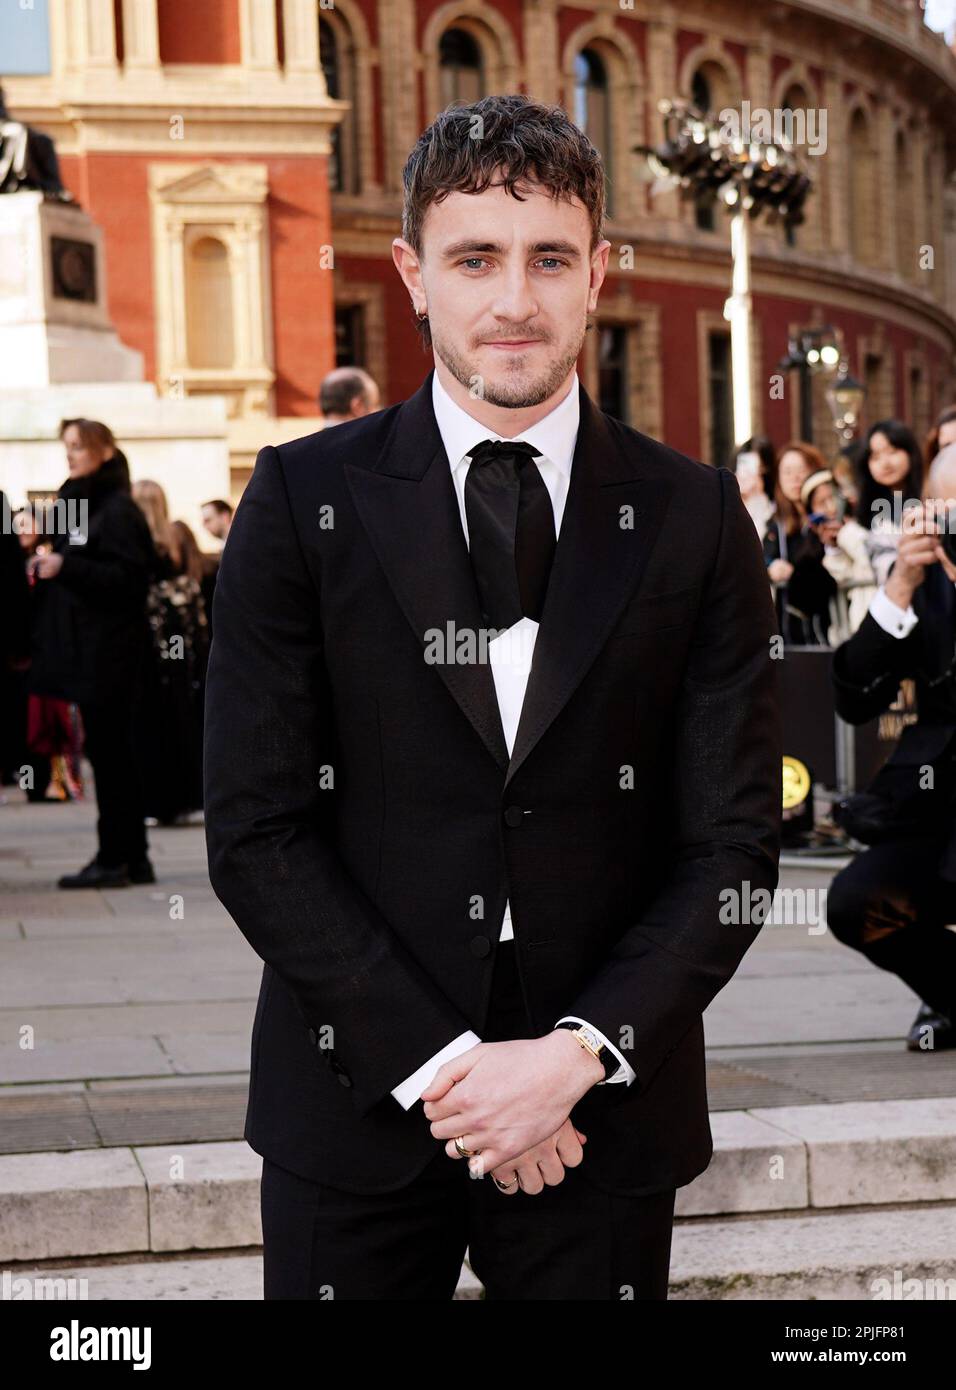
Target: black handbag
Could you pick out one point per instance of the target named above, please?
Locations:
(897, 804)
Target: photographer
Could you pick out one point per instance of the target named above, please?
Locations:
(893, 903)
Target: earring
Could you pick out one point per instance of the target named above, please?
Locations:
(421, 313)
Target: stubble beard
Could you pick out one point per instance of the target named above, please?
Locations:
(519, 389)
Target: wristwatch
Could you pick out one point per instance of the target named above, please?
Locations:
(589, 1039)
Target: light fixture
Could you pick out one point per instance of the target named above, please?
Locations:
(845, 398)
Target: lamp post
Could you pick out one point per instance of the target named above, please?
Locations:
(738, 310)
(749, 176)
(845, 397)
(811, 350)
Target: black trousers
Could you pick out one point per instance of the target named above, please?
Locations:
(110, 747)
(891, 905)
(571, 1241)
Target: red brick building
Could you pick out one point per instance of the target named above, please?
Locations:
(244, 158)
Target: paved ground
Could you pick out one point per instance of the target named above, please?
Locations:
(125, 1016)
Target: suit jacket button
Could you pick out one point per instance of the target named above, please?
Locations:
(513, 815)
(480, 946)
(344, 1078)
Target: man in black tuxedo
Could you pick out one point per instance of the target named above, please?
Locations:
(493, 750)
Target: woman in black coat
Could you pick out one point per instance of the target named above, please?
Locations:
(91, 639)
(793, 553)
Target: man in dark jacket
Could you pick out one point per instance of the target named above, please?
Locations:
(894, 902)
(489, 889)
(91, 639)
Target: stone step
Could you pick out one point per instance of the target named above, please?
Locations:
(168, 1198)
(859, 1256)
(890, 1254)
(198, 1278)
(853, 1154)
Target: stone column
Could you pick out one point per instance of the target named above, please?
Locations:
(757, 85)
(937, 213)
(93, 37)
(141, 37)
(257, 26)
(543, 61)
(916, 154)
(300, 28)
(400, 73)
(836, 165)
(887, 186)
(661, 82)
(178, 338)
(949, 247)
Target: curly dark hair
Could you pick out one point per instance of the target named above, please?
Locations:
(467, 145)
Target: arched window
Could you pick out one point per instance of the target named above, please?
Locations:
(460, 66)
(338, 70)
(210, 340)
(701, 94)
(592, 107)
(863, 212)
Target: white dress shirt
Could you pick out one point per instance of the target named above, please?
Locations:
(510, 653)
(890, 616)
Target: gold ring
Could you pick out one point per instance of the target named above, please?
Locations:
(503, 1186)
(462, 1151)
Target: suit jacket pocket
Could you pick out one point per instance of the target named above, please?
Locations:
(650, 612)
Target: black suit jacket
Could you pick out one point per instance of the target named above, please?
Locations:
(365, 824)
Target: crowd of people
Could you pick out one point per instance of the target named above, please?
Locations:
(105, 628)
(854, 567)
(107, 624)
(107, 619)
(830, 534)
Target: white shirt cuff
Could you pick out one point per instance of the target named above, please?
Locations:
(411, 1088)
(625, 1071)
(891, 617)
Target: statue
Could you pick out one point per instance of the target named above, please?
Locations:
(28, 159)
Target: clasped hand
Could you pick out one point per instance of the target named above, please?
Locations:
(512, 1101)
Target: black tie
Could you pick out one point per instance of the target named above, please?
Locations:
(510, 531)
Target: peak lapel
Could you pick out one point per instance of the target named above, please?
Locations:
(406, 501)
(598, 565)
